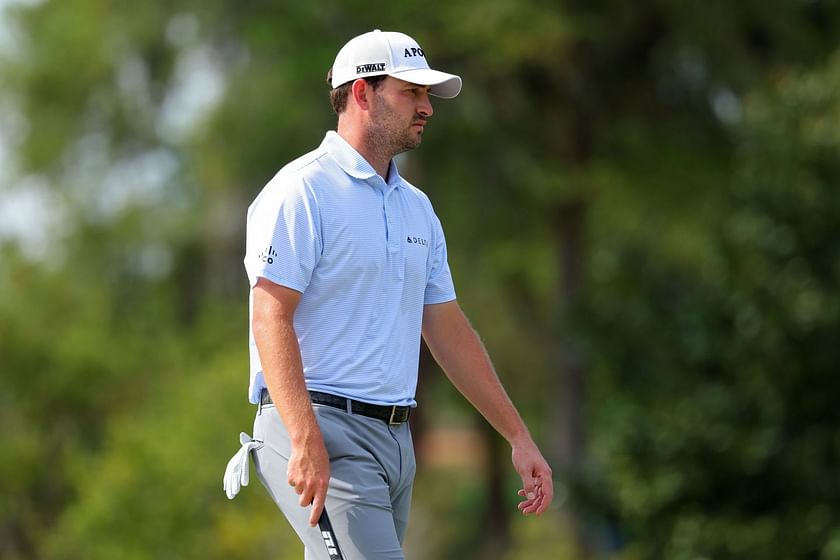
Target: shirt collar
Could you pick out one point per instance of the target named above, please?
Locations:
(353, 163)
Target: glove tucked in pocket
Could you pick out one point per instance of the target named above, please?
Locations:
(238, 471)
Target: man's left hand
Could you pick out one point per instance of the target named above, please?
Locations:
(537, 484)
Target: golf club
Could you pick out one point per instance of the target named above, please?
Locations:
(329, 536)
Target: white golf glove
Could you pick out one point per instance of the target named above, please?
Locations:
(237, 471)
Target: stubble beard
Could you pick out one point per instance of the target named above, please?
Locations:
(388, 134)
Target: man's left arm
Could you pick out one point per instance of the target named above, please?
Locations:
(457, 348)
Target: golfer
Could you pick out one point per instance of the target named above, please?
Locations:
(348, 268)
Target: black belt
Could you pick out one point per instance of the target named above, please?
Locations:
(390, 414)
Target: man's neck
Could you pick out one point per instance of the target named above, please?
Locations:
(356, 138)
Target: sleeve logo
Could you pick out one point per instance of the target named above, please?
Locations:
(267, 256)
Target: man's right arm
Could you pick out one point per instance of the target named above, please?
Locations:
(274, 333)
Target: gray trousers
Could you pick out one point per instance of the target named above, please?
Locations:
(372, 470)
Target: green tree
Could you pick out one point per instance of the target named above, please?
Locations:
(713, 414)
(582, 127)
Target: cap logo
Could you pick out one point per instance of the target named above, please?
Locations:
(413, 51)
(366, 68)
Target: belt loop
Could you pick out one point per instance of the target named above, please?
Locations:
(349, 406)
(259, 403)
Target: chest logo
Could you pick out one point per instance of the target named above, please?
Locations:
(417, 241)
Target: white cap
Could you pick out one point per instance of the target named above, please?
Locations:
(389, 53)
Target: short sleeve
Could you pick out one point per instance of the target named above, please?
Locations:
(439, 287)
(283, 241)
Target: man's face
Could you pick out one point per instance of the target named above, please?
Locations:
(398, 113)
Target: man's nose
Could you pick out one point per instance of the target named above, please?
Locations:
(424, 104)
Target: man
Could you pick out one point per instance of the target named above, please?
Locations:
(347, 265)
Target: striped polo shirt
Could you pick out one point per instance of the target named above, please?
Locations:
(365, 254)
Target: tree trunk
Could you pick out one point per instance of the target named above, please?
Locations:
(496, 524)
(567, 443)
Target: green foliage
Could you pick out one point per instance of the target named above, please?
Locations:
(155, 489)
(713, 412)
(696, 155)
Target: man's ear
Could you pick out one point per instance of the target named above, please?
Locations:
(361, 90)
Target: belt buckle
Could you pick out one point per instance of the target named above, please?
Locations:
(391, 419)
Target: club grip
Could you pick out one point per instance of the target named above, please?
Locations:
(329, 537)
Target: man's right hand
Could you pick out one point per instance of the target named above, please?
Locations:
(309, 474)
(274, 333)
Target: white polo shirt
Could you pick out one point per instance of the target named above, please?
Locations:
(366, 255)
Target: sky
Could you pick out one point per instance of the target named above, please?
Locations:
(23, 206)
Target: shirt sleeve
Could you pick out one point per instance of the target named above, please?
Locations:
(283, 241)
(439, 287)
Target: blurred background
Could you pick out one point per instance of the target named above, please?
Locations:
(642, 206)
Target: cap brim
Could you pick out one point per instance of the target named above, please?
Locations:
(441, 84)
